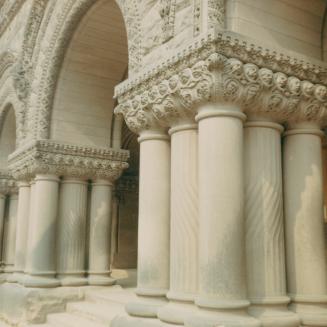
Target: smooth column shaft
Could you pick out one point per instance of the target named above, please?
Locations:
(22, 229)
(184, 224)
(154, 222)
(265, 246)
(306, 259)
(222, 272)
(41, 258)
(100, 234)
(10, 234)
(71, 234)
(2, 224)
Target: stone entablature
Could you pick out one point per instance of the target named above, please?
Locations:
(62, 159)
(7, 183)
(231, 45)
(215, 78)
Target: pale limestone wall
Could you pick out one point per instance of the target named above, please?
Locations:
(95, 62)
(292, 24)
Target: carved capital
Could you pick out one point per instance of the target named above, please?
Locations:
(62, 159)
(7, 183)
(222, 80)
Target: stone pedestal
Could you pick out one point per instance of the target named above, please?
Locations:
(21, 231)
(2, 222)
(100, 234)
(41, 254)
(71, 232)
(305, 242)
(184, 225)
(222, 275)
(10, 235)
(265, 249)
(154, 225)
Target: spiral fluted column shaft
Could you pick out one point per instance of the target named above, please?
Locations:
(222, 275)
(22, 230)
(265, 248)
(10, 234)
(305, 242)
(184, 224)
(100, 233)
(154, 222)
(41, 255)
(2, 224)
(71, 233)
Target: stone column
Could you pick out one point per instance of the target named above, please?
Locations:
(153, 229)
(10, 235)
(71, 233)
(41, 260)
(265, 249)
(222, 276)
(21, 231)
(305, 243)
(100, 234)
(2, 224)
(184, 224)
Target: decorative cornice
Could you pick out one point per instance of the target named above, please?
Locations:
(7, 184)
(62, 159)
(231, 45)
(218, 79)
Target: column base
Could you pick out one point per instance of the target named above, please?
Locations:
(72, 280)
(221, 318)
(176, 312)
(35, 281)
(148, 303)
(14, 277)
(274, 315)
(101, 280)
(311, 310)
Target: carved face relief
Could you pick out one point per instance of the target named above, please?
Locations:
(251, 72)
(266, 77)
(307, 88)
(163, 88)
(321, 92)
(186, 76)
(280, 81)
(235, 67)
(294, 85)
(173, 82)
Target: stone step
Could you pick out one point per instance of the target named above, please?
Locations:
(71, 320)
(99, 312)
(111, 295)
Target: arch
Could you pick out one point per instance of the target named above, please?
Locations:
(65, 17)
(7, 134)
(9, 99)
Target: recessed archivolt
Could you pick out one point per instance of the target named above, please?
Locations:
(64, 20)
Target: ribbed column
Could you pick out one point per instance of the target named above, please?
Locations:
(305, 242)
(154, 222)
(21, 231)
(71, 233)
(222, 276)
(10, 235)
(184, 224)
(265, 249)
(41, 255)
(100, 234)
(2, 224)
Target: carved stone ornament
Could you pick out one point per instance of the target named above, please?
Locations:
(7, 184)
(217, 78)
(62, 159)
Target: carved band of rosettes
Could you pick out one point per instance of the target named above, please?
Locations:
(50, 157)
(219, 79)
